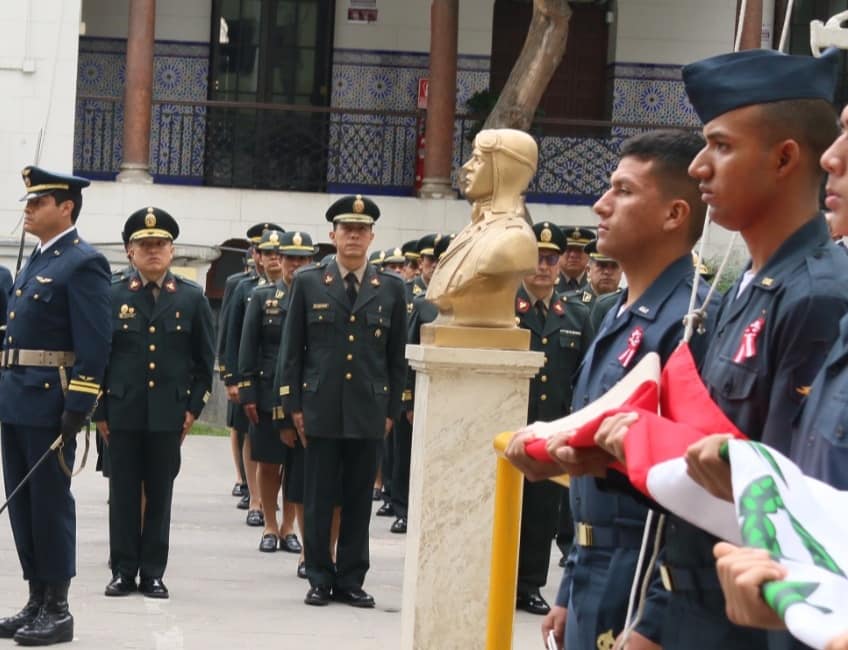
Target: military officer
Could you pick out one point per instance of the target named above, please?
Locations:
(343, 367)
(54, 356)
(411, 257)
(158, 379)
(394, 260)
(652, 204)
(274, 442)
(604, 280)
(376, 258)
(559, 326)
(236, 308)
(574, 263)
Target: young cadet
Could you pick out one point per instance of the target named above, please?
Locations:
(652, 204)
(574, 262)
(411, 257)
(559, 326)
(343, 367)
(54, 356)
(274, 443)
(157, 382)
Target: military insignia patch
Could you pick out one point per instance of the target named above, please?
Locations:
(416, 290)
(135, 284)
(378, 333)
(587, 297)
(150, 218)
(279, 293)
(546, 235)
(409, 308)
(643, 309)
(803, 391)
(557, 308)
(206, 396)
(170, 286)
(328, 279)
(375, 281)
(297, 240)
(605, 641)
(43, 280)
(522, 306)
(274, 238)
(358, 204)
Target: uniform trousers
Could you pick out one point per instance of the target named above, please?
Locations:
(539, 510)
(400, 467)
(331, 464)
(706, 626)
(43, 513)
(152, 457)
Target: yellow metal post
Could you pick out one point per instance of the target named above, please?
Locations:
(503, 578)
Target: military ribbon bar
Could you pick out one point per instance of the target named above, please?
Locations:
(633, 343)
(748, 344)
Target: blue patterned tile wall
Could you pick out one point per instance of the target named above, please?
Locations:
(177, 138)
(650, 93)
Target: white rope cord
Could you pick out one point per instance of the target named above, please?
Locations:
(630, 626)
(743, 7)
(787, 19)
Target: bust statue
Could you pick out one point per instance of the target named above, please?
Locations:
(475, 282)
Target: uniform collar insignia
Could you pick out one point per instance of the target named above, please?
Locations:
(170, 285)
(279, 293)
(375, 281)
(135, 284)
(644, 310)
(43, 280)
(416, 290)
(803, 391)
(522, 306)
(587, 297)
(767, 282)
(557, 308)
(328, 279)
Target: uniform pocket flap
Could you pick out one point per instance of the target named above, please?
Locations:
(320, 316)
(116, 390)
(381, 388)
(731, 380)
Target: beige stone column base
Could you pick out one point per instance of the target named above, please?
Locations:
(134, 173)
(464, 397)
(436, 188)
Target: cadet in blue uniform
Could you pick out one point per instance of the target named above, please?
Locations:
(653, 205)
(54, 356)
(158, 379)
(559, 326)
(274, 442)
(574, 263)
(768, 119)
(343, 366)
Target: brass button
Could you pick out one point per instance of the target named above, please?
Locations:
(543, 378)
(19, 292)
(151, 384)
(320, 317)
(543, 397)
(544, 340)
(151, 365)
(126, 327)
(351, 338)
(35, 296)
(348, 376)
(11, 315)
(152, 329)
(179, 327)
(151, 347)
(349, 357)
(304, 384)
(47, 384)
(386, 389)
(352, 318)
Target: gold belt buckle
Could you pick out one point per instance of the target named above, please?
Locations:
(584, 534)
(665, 576)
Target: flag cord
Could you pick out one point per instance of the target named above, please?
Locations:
(631, 620)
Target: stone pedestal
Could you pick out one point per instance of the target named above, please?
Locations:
(464, 397)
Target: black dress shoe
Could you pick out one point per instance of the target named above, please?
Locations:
(301, 570)
(386, 510)
(562, 562)
(120, 586)
(239, 490)
(244, 502)
(153, 588)
(318, 596)
(532, 602)
(255, 518)
(399, 526)
(353, 597)
(377, 495)
(268, 544)
(290, 544)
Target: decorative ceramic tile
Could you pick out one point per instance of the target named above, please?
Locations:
(650, 94)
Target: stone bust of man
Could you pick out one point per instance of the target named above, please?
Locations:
(475, 282)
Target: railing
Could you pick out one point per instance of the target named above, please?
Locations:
(311, 149)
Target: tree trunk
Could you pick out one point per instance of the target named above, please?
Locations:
(541, 55)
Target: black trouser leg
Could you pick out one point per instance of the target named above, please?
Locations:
(402, 459)
(125, 449)
(322, 464)
(538, 523)
(161, 453)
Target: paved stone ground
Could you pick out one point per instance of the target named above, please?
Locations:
(225, 594)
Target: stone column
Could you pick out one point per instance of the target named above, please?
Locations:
(464, 398)
(138, 93)
(441, 100)
(752, 28)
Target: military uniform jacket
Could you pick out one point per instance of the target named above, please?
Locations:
(566, 284)
(161, 360)
(221, 351)
(655, 324)
(601, 305)
(820, 444)
(423, 312)
(342, 366)
(260, 345)
(59, 301)
(765, 349)
(564, 336)
(236, 309)
(412, 289)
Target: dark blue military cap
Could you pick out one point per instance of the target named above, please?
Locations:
(254, 233)
(729, 81)
(40, 182)
(577, 235)
(549, 236)
(393, 256)
(591, 249)
(151, 222)
(296, 244)
(426, 245)
(410, 250)
(353, 209)
(442, 243)
(270, 240)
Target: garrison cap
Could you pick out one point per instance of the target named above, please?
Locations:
(151, 222)
(254, 233)
(296, 244)
(577, 235)
(376, 258)
(353, 209)
(549, 236)
(442, 243)
(270, 241)
(410, 250)
(426, 245)
(591, 249)
(726, 82)
(393, 256)
(40, 182)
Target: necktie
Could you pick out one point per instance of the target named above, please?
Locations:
(542, 310)
(149, 294)
(350, 281)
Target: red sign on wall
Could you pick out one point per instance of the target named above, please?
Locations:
(423, 92)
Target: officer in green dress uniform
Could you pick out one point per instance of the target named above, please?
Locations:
(559, 326)
(410, 259)
(604, 281)
(274, 443)
(158, 379)
(343, 367)
(574, 262)
(54, 355)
